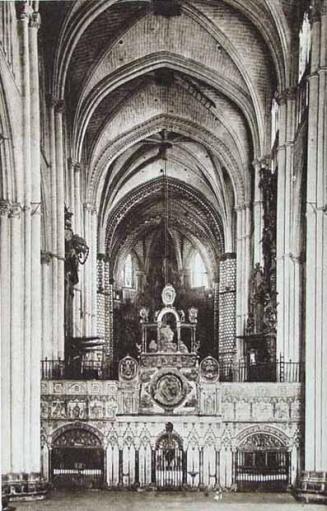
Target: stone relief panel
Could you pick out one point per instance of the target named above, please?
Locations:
(209, 399)
(171, 390)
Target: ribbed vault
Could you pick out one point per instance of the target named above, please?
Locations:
(144, 209)
(187, 95)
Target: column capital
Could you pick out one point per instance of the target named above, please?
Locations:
(55, 103)
(74, 164)
(35, 20)
(59, 106)
(4, 207)
(77, 166)
(15, 210)
(260, 162)
(88, 206)
(318, 8)
(45, 257)
(242, 207)
(287, 94)
(103, 257)
(23, 10)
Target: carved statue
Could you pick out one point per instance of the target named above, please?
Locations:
(166, 339)
(76, 252)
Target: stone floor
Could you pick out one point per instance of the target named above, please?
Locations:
(159, 501)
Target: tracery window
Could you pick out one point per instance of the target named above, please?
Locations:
(128, 272)
(199, 272)
(304, 45)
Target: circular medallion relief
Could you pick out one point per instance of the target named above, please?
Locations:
(209, 369)
(168, 295)
(168, 390)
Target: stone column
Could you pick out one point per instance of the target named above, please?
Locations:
(60, 183)
(24, 43)
(17, 396)
(93, 256)
(287, 345)
(5, 335)
(314, 480)
(77, 198)
(87, 271)
(53, 216)
(257, 213)
(243, 266)
(35, 350)
(46, 345)
(77, 304)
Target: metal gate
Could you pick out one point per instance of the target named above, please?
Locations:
(77, 460)
(262, 470)
(170, 470)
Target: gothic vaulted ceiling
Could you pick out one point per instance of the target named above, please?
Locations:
(162, 91)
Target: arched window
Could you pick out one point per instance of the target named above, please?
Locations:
(274, 121)
(199, 272)
(305, 45)
(128, 272)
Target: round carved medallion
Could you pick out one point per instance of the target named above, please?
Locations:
(209, 369)
(168, 295)
(168, 390)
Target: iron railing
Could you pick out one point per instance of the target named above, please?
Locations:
(81, 370)
(277, 370)
(272, 371)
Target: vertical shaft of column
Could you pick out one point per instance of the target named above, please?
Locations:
(85, 288)
(247, 265)
(5, 336)
(239, 280)
(280, 242)
(289, 342)
(316, 268)
(287, 345)
(35, 353)
(54, 261)
(257, 215)
(60, 227)
(94, 271)
(77, 198)
(46, 348)
(77, 229)
(17, 341)
(26, 115)
(71, 190)
(216, 312)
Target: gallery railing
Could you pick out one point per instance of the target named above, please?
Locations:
(272, 371)
(80, 370)
(277, 370)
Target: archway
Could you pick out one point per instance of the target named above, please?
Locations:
(77, 459)
(170, 461)
(262, 463)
